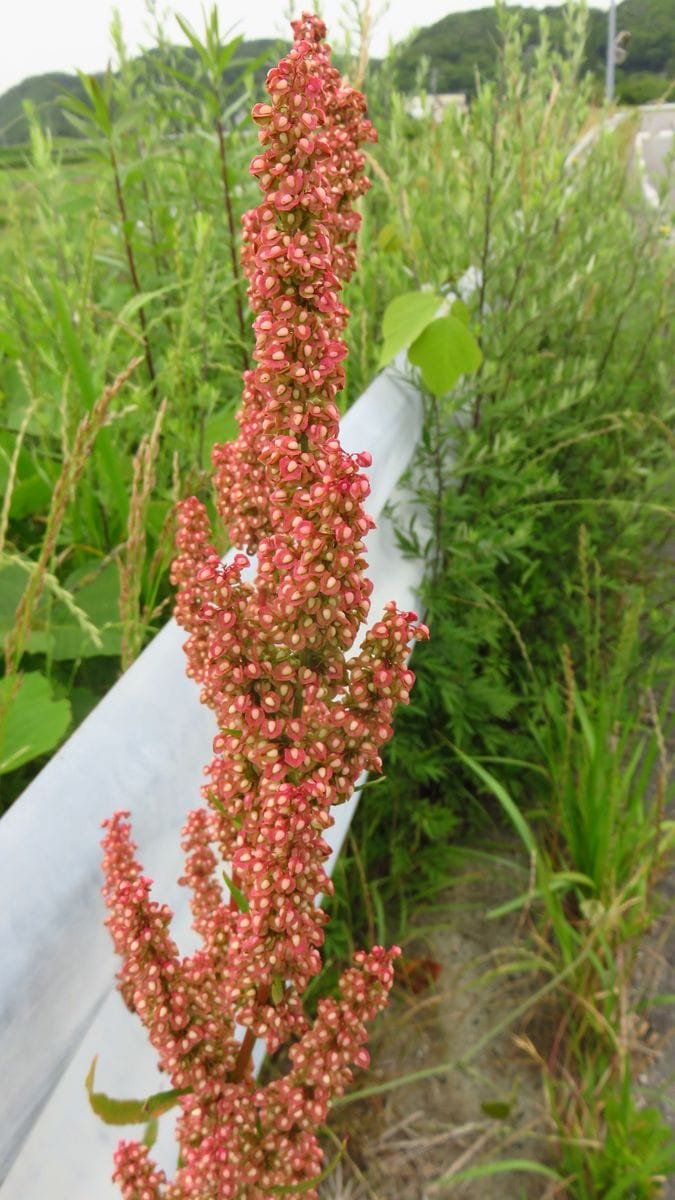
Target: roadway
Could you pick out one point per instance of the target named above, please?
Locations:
(654, 151)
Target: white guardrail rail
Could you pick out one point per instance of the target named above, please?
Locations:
(143, 748)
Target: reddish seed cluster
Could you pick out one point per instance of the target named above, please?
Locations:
(299, 720)
(299, 249)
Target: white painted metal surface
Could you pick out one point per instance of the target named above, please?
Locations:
(143, 748)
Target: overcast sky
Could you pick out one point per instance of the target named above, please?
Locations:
(62, 35)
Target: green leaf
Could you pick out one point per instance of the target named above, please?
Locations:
(29, 497)
(12, 588)
(77, 359)
(130, 1112)
(194, 41)
(239, 897)
(32, 722)
(459, 309)
(277, 989)
(444, 351)
(562, 881)
(151, 1131)
(498, 1109)
(129, 310)
(101, 110)
(389, 238)
(505, 1167)
(226, 52)
(99, 600)
(221, 427)
(404, 319)
(499, 792)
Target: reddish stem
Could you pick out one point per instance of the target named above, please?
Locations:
(249, 1040)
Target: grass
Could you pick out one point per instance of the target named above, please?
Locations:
(541, 695)
(114, 245)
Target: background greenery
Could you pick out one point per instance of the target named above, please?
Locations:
(462, 44)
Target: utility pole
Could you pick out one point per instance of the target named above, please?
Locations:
(611, 56)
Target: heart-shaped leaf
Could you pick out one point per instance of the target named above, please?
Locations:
(444, 351)
(404, 320)
(32, 722)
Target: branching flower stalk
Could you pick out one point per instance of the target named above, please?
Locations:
(299, 720)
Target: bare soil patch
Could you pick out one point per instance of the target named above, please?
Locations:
(490, 1103)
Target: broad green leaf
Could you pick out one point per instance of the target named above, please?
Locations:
(82, 701)
(55, 627)
(13, 580)
(444, 351)
(69, 641)
(130, 1112)
(459, 309)
(29, 497)
(32, 722)
(404, 319)
(39, 641)
(99, 599)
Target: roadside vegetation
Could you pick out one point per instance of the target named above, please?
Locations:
(540, 724)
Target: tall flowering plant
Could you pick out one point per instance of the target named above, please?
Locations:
(299, 716)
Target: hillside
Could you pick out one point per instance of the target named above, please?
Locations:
(454, 49)
(44, 91)
(463, 43)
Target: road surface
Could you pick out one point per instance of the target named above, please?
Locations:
(654, 147)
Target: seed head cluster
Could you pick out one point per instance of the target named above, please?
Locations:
(301, 712)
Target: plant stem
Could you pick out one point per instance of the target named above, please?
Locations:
(121, 205)
(234, 257)
(244, 1056)
(485, 250)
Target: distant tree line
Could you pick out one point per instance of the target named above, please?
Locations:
(463, 44)
(44, 92)
(453, 51)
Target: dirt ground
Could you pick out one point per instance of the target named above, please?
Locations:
(490, 1104)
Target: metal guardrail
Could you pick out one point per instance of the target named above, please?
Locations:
(142, 748)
